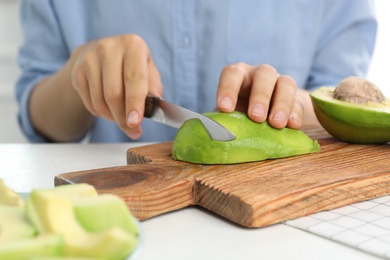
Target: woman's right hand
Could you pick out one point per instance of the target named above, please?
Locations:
(113, 76)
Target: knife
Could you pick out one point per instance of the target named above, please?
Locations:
(170, 114)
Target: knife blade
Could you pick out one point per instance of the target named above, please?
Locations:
(170, 114)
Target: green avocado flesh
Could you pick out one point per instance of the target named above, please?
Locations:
(366, 123)
(66, 222)
(58, 213)
(47, 245)
(9, 197)
(254, 141)
(14, 224)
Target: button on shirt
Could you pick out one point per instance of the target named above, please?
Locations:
(316, 42)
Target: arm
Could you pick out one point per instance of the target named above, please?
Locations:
(96, 82)
(60, 93)
(56, 109)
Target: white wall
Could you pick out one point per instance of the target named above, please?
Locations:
(10, 37)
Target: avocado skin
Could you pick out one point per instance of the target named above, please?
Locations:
(254, 141)
(353, 123)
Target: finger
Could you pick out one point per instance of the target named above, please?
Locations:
(282, 101)
(113, 89)
(101, 81)
(296, 117)
(136, 81)
(264, 81)
(80, 84)
(235, 78)
(113, 86)
(114, 92)
(82, 74)
(155, 84)
(155, 87)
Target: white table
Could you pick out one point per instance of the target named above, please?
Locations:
(191, 233)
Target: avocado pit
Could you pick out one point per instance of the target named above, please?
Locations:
(357, 90)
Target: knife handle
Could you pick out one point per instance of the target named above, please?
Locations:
(151, 102)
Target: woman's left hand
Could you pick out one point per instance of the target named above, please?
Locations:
(263, 94)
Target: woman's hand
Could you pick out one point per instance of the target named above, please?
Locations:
(264, 95)
(113, 76)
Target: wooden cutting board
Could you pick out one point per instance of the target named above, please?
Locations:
(250, 194)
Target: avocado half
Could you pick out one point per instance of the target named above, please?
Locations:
(365, 123)
(254, 141)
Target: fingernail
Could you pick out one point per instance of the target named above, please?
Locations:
(258, 110)
(295, 117)
(132, 118)
(279, 116)
(226, 103)
(134, 134)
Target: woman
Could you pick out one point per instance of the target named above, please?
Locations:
(87, 66)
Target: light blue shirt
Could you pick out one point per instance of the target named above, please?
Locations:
(317, 42)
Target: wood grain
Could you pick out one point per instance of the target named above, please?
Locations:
(250, 194)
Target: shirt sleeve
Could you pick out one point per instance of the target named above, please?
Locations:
(42, 52)
(345, 44)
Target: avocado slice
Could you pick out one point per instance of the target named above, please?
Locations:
(53, 212)
(69, 191)
(14, 224)
(9, 197)
(18, 238)
(88, 204)
(366, 121)
(24, 249)
(76, 190)
(62, 258)
(254, 141)
(116, 214)
(66, 222)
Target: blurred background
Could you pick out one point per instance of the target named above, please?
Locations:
(9, 42)
(10, 39)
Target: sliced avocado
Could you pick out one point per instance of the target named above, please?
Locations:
(367, 122)
(62, 258)
(81, 189)
(14, 225)
(54, 213)
(69, 191)
(116, 213)
(254, 141)
(24, 249)
(87, 205)
(9, 197)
